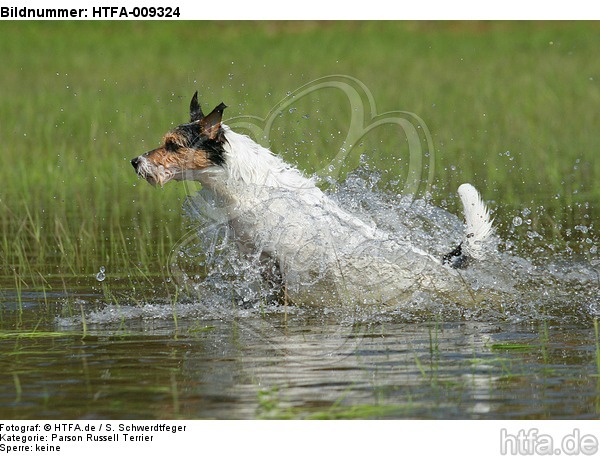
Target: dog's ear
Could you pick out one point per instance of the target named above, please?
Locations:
(211, 124)
(195, 109)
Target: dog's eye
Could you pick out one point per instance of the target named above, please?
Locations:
(170, 146)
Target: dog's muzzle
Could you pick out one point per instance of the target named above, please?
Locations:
(153, 174)
(141, 168)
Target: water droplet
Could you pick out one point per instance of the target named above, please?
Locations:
(101, 275)
(517, 221)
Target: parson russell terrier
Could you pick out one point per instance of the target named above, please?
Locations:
(320, 250)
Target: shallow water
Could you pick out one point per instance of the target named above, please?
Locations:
(233, 363)
(223, 347)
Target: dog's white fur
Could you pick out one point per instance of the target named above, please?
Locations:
(324, 252)
(477, 218)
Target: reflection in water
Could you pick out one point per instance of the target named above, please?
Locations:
(273, 365)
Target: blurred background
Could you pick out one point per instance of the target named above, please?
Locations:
(511, 107)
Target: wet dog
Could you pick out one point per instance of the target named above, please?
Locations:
(280, 215)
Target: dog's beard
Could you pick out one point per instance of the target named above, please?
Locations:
(161, 176)
(155, 175)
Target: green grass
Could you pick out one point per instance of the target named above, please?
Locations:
(512, 107)
(515, 347)
(32, 334)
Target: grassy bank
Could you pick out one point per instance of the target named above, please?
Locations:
(511, 107)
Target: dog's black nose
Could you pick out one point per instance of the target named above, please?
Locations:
(135, 162)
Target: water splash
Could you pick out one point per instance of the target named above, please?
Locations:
(504, 286)
(517, 282)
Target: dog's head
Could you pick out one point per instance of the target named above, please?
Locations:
(185, 150)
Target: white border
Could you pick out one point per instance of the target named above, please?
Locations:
(302, 438)
(345, 10)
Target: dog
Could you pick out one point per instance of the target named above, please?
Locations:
(321, 252)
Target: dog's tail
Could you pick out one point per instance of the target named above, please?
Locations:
(479, 229)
